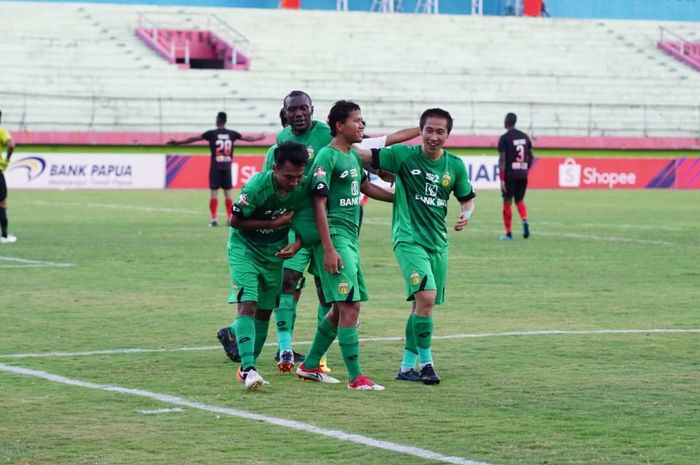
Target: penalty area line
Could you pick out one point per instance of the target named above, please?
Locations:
(543, 332)
(291, 424)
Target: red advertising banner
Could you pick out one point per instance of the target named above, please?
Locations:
(615, 173)
(192, 172)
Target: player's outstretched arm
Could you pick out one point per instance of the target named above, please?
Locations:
(185, 141)
(260, 136)
(402, 135)
(365, 155)
(375, 192)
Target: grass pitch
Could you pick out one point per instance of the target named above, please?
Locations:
(546, 346)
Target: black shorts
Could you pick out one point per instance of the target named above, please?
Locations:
(3, 187)
(220, 179)
(515, 188)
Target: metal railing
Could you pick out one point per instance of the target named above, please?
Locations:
(198, 21)
(30, 111)
(682, 41)
(169, 46)
(679, 47)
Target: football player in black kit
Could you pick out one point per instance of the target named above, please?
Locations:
(221, 142)
(514, 162)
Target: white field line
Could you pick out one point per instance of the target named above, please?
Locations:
(26, 263)
(296, 425)
(161, 410)
(543, 332)
(595, 237)
(116, 206)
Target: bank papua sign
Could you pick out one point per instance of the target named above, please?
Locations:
(74, 171)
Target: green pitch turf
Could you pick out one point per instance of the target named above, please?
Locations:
(580, 345)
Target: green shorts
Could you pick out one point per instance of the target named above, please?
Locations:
(300, 261)
(254, 279)
(349, 284)
(422, 270)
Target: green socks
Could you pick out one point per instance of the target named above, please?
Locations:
(244, 330)
(410, 351)
(350, 349)
(423, 331)
(325, 335)
(261, 327)
(284, 315)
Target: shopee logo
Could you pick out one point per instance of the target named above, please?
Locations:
(569, 173)
(592, 176)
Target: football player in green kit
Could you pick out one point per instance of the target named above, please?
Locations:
(315, 135)
(426, 175)
(337, 178)
(298, 126)
(258, 244)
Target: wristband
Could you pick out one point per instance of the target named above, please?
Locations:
(468, 214)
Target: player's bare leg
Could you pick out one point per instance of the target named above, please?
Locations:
(213, 207)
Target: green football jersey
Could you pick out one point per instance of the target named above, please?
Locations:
(270, 158)
(341, 175)
(423, 187)
(317, 137)
(261, 200)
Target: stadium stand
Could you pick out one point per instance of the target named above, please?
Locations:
(80, 67)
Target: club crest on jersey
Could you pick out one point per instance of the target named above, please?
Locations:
(343, 288)
(310, 151)
(446, 178)
(320, 172)
(242, 200)
(415, 279)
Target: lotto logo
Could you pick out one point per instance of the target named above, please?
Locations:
(569, 173)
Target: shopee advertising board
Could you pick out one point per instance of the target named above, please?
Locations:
(593, 173)
(615, 173)
(81, 171)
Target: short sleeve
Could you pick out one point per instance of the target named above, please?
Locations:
(321, 172)
(463, 187)
(501, 145)
(390, 158)
(245, 204)
(269, 158)
(4, 135)
(209, 135)
(235, 135)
